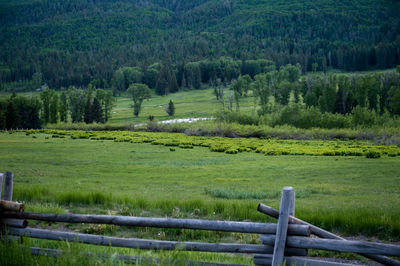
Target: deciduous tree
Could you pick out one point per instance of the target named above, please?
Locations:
(139, 92)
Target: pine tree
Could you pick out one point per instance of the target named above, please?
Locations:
(173, 83)
(170, 108)
(97, 111)
(12, 117)
(164, 76)
(87, 113)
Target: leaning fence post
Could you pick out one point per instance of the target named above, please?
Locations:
(287, 206)
(292, 204)
(1, 184)
(8, 186)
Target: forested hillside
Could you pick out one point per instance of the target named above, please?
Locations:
(73, 42)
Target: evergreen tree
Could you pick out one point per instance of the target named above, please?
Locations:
(395, 99)
(3, 108)
(33, 113)
(173, 83)
(170, 109)
(197, 78)
(164, 77)
(97, 111)
(13, 119)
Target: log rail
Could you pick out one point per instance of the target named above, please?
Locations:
(284, 243)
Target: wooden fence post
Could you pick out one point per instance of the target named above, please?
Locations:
(325, 234)
(287, 205)
(8, 186)
(1, 184)
(292, 204)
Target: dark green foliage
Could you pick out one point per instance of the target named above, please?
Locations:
(96, 111)
(20, 112)
(193, 74)
(138, 92)
(46, 96)
(261, 89)
(106, 100)
(63, 107)
(236, 117)
(150, 76)
(87, 115)
(54, 108)
(394, 95)
(355, 35)
(240, 88)
(76, 104)
(166, 81)
(362, 116)
(170, 109)
(328, 98)
(373, 154)
(125, 76)
(3, 107)
(13, 119)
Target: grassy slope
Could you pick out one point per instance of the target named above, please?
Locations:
(351, 194)
(195, 103)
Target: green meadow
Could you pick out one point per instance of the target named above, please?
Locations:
(347, 194)
(188, 104)
(174, 175)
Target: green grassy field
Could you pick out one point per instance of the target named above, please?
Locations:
(350, 195)
(144, 177)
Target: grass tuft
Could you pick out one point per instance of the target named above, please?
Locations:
(228, 193)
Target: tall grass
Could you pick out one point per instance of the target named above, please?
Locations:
(89, 127)
(381, 135)
(12, 253)
(229, 193)
(364, 221)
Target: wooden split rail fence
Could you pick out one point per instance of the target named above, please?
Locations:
(286, 242)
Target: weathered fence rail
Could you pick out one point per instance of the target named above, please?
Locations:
(324, 234)
(286, 242)
(148, 244)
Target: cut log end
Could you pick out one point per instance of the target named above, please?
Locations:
(6, 205)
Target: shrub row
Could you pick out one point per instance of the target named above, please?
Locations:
(236, 145)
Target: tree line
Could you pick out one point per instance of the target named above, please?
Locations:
(330, 93)
(318, 100)
(165, 78)
(72, 105)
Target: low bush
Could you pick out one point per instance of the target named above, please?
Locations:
(373, 154)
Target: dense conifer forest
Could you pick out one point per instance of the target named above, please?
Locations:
(74, 42)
